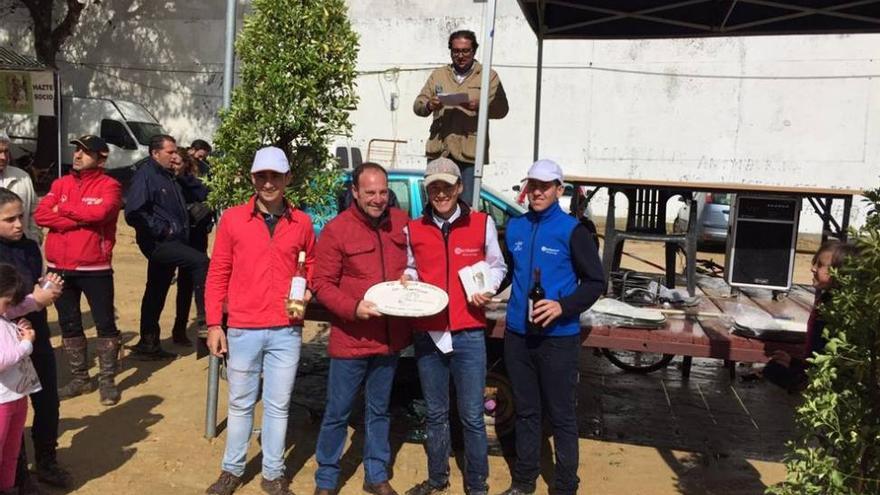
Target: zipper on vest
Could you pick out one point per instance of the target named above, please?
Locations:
(446, 251)
(382, 264)
(531, 262)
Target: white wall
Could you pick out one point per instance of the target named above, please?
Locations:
(782, 110)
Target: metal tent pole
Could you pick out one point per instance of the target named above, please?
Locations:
(538, 82)
(483, 115)
(214, 361)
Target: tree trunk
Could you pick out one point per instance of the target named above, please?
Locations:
(48, 40)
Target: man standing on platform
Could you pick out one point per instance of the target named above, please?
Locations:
(542, 346)
(449, 237)
(363, 246)
(155, 207)
(253, 264)
(453, 132)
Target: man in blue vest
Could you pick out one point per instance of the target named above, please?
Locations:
(541, 347)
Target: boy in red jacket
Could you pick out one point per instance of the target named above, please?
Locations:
(255, 258)
(80, 212)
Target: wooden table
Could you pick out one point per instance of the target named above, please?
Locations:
(704, 337)
(820, 198)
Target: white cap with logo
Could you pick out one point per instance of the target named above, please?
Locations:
(545, 171)
(272, 159)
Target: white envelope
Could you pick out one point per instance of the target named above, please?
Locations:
(475, 279)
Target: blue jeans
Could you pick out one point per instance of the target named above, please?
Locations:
(467, 365)
(274, 352)
(343, 383)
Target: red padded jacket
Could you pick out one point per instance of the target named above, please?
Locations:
(352, 255)
(80, 212)
(251, 270)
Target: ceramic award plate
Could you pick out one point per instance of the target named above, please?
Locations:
(416, 299)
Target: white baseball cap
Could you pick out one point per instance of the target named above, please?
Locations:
(545, 171)
(270, 158)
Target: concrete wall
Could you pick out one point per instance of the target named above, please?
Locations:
(783, 110)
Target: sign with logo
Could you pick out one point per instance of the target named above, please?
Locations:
(27, 92)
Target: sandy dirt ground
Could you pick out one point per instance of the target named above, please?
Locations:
(152, 441)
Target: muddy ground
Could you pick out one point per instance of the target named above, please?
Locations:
(652, 434)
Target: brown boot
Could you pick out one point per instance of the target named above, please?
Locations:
(108, 353)
(78, 358)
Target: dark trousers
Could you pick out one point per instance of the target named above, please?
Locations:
(198, 241)
(44, 430)
(98, 289)
(161, 264)
(544, 374)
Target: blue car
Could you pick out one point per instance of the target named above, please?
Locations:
(409, 188)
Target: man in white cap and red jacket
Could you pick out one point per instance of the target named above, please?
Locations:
(447, 238)
(254, 260)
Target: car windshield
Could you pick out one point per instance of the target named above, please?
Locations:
(143, 131)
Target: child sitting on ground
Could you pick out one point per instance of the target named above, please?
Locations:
(18, 378)
(789, 372)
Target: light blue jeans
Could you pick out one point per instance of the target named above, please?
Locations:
(274, 352)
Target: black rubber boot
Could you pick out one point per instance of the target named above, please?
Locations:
(78, 359)
(48, 469)
(108, 354)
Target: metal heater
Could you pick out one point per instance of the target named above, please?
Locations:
(762, 242)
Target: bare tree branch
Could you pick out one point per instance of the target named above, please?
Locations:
(48, 40)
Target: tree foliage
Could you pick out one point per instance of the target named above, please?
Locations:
(49, 38)
(297, 84)
(838, 451)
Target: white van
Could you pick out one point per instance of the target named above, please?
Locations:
(127, 127)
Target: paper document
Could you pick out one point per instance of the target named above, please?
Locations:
(443, 340)
(453, 99)
(475, 279)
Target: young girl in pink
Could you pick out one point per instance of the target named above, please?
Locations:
(18, 379)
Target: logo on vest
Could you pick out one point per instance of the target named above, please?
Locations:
(551, 251)
(466, 251)
(518, 246)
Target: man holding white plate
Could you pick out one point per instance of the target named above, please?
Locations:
(363, 246)
(449, 237)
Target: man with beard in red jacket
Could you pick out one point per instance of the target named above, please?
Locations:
(361, 247)
(80, 212)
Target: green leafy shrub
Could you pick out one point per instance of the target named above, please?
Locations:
(838, 451)
(297, 83)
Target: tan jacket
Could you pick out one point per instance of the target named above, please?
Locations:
(453, 132)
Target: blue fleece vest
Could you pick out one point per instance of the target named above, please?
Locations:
(541, 240)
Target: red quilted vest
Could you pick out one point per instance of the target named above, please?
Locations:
(438, 262)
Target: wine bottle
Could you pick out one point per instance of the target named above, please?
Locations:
(296, 299)
(535, 294)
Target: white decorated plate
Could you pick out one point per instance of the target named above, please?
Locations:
(416, 299)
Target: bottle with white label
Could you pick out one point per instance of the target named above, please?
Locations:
(296, 299)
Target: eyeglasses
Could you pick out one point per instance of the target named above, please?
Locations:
(462, 51)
